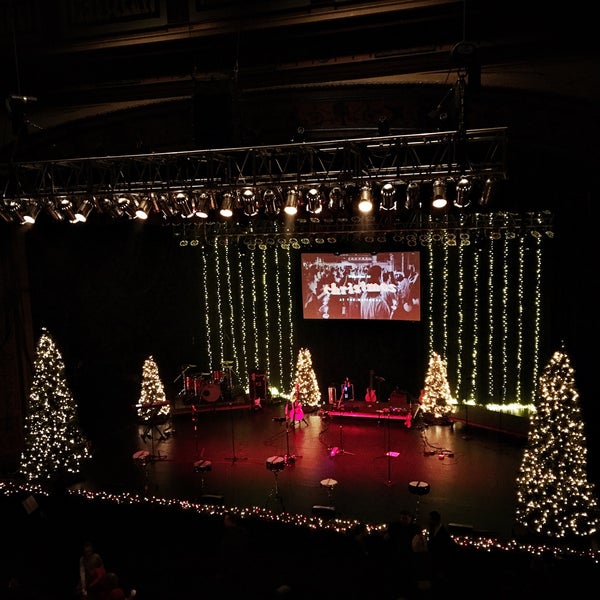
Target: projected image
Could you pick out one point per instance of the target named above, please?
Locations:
(384, 286)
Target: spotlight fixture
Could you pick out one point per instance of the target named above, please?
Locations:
(439, 194)
(337, 200)
(184, 205)
(365, 199)
(487, 195)
(314, 205)
(142, 209)
(463, 192)
(62, 208)
(249, 203)
(413, 196)
(202, 204)
(226, 205)
(388, 197)
(271, 202)
(291, 202)
(83, 210)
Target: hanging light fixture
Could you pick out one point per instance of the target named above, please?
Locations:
(83, 209)
(291, 202)
(227, 205)
(365, 199)
(337, 199)
(314, 204)
(487, 194)
(463, 192)
(142, 209)
(413, 196)
(388, 197)
(184, 204)
(249, 203)
(202, 204)
(272, 202)
(439, 194)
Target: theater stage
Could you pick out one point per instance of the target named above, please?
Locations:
(371, 456)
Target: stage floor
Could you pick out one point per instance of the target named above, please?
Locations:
(470, 471)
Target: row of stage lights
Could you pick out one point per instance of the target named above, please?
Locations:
(255, 201)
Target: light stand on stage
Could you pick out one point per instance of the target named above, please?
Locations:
(340, 449)
(233, 458)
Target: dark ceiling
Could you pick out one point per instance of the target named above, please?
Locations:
(80, 58)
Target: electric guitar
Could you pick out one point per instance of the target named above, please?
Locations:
(371, 396)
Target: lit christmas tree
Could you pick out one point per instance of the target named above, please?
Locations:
(436, 399)
(306, 389)
(152, 394)
(554, 497)
(54, 445)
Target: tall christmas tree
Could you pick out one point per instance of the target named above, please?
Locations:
(436, 399)
(306, 387)
(153, 400)
(55, 448)
(554, 497)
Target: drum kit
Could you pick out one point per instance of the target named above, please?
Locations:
(206, 387)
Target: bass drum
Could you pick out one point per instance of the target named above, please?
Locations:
(210, 392)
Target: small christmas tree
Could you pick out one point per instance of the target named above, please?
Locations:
(436, 399)
(153, 393)
(554, 497)
(306, 388)
(54, 445)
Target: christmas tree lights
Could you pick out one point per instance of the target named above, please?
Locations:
(436, 399)
(306, 390)
(554, 497)
(55, 448)
(153, 393)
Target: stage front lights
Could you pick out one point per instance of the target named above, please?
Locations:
(202, 205)
(142, 209)
(182, 200)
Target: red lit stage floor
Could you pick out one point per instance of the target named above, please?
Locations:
(471, 471)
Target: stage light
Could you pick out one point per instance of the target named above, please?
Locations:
(184, 205)
(291, 202)
(337, 199)
(62, 208)
(202, 205)
(463, 192)
(413, 196)
(142, 209)
(388, 197)
(83, 210)
(227, 204)
(365, 199)
(272, 202)
(249, 203)
(23, 211)
(314, 204)
(487, 195)
(439, 194)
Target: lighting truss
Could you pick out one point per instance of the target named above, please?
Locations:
(166, 178)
